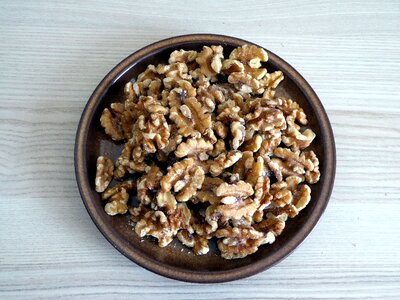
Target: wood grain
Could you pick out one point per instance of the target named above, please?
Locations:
(52, 56)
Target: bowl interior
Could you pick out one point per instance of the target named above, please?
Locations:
(175, 255)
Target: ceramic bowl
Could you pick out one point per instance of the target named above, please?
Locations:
(177, 261)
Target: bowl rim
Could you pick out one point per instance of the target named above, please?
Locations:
(174, 272)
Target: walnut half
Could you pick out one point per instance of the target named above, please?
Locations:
(104, 173)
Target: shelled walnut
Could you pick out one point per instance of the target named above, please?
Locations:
(210, 152)
(104, 173)
(117, 197)
(197, 242)
(147, 183)
(239, 242)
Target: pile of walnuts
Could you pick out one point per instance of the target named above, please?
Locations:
(210, 152)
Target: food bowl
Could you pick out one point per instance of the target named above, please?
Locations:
(176, 261)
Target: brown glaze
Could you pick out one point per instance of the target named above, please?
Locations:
(176, 261)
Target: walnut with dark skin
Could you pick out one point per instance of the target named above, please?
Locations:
(208, 190)
(147, 183)
(112, 124)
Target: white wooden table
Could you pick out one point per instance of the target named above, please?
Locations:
(53, 54)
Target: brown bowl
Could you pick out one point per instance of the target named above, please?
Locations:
(176, 261)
